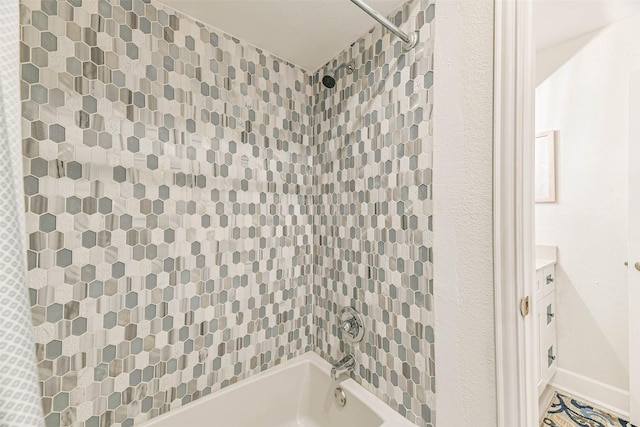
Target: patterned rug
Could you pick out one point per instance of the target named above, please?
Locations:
(566, 411)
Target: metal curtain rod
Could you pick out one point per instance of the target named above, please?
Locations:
(409, 41)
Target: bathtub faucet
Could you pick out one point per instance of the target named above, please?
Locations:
(344, 366)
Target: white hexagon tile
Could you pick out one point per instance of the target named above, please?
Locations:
(198, 210)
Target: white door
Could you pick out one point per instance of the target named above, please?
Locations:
(634, 247)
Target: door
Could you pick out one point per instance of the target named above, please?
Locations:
(634, 247)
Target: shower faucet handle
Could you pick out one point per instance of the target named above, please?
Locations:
(352, 325)
(349, 325)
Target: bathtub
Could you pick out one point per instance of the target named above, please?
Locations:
(299, 392)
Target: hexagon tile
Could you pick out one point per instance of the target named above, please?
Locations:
(199, 210)
(168, 184)
(373, 228)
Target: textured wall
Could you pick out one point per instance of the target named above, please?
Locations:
(373, 224)
(463, 206)
(168, 179)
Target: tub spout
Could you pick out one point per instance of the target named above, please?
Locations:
(344, 366)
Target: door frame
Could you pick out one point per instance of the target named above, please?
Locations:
(514, 242)
(634, 251)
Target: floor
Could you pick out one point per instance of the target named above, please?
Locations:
(565, 411)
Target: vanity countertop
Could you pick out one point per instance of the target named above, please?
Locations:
(544, 262)
(546, 256)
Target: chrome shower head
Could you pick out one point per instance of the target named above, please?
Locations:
(329, 81)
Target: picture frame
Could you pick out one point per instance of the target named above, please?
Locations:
(545, 167)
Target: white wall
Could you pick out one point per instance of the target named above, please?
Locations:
(463, 246)
(585, 98)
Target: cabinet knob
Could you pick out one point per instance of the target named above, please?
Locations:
(637, 266)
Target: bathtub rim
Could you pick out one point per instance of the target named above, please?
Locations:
(390, 417)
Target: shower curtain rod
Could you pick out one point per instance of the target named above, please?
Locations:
(409, 40)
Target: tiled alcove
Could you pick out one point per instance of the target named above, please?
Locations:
(199, 210)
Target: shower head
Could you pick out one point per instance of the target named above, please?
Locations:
(329, 81)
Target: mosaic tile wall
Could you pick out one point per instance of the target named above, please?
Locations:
(373, 225)
(177, 242)
(168, 179)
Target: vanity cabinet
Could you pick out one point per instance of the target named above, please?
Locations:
(545, 312)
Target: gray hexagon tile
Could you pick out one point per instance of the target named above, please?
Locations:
(168, 217)
(373, 205)
(199, 210)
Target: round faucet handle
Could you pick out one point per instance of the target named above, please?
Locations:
(347, 326)
(351, 324)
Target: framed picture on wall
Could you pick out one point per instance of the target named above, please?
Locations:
(545, 167)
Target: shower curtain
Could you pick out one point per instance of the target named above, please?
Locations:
(19, 392)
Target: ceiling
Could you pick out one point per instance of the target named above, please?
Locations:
(556, 21)
(308, 33)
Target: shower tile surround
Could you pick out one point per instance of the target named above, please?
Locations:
(168, 181)
(199, 211)
(373, 223)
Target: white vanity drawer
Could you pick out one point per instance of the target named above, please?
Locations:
(547, 316)
(549, 280)
(548, 361)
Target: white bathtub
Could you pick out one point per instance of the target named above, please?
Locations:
(300, 392)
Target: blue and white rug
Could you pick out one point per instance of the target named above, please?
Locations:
(566, 411)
